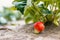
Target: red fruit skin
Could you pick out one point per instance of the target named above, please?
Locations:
(39, 26)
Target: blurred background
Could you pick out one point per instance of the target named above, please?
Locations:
(10, 10)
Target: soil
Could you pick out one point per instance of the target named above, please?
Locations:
(51, 32)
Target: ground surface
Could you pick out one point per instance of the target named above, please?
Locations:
(26, 33)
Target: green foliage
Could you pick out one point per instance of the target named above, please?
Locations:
(42, 13)
(28, 18)
(35, 13)
(9, 15)
(20, 5)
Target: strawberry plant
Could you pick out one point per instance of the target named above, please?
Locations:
(43, 11)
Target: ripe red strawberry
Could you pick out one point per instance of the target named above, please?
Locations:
(38, 27)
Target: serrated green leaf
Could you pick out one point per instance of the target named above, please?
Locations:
(58, 15)
(28, 19)
(26, 12)
(56, 22)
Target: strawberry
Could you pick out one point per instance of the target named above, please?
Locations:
(38, 27)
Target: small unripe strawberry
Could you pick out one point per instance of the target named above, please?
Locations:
(38, 27)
